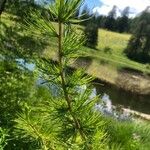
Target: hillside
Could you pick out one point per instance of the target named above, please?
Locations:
(107, 62)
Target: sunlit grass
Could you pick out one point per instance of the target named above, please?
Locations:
(110, 48)
(115, 41)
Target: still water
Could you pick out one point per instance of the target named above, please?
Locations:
(123, 99)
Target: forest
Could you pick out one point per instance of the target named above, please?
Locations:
(55, 61)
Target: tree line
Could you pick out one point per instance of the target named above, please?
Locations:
(112, 22)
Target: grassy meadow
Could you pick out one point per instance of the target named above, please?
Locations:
(110, 48)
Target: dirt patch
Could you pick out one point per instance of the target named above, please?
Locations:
(134, 82)
(83, 62)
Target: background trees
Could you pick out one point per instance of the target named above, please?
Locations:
(139, 45)
(2, 6)
(123, 21)
(84, 16)
(110, 21)
(91, 34)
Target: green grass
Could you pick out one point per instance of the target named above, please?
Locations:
(115, 43)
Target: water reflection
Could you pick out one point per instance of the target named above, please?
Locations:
(122, 99)
(23, 64)
(106, 107)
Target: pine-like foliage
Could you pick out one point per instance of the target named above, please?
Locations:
(3, 136)
(66, 119)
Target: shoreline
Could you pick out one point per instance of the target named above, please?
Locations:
(127, 80)
(137, 114)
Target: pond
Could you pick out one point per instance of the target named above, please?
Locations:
(120, 99)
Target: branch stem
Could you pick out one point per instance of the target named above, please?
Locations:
(63, 82)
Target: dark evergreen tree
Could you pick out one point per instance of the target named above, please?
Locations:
(20, 7)
(110, 23)
(133, 24)
(123, 21)
(100, 21)
(139, 44)
(91, 34)
(2, 6)
(84, 16)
